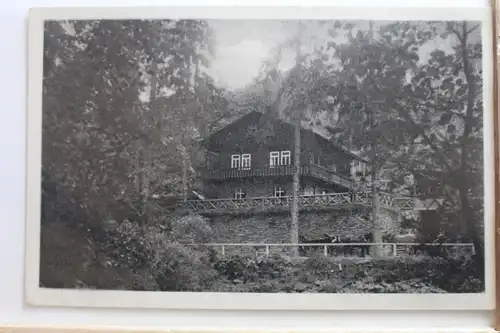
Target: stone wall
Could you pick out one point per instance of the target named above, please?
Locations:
(275, 228)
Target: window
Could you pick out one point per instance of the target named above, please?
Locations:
(279, 191)
(285, 157)
(280, 158)
(308, 190)
(235, 161)
(243, 161)
(246, 161)
(274, 158)
(239, 194)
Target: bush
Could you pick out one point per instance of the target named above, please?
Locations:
(163, 257)
(320, 265)
(69, 258)
(325, 275)
(180, 268)
(251, 268)
(167, 252)
(369, 285)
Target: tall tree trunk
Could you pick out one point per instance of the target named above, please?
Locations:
(295, 190)
(184, 172)
(145, 158)
(294, 228)
(465, 185)
(377, 232)
(184, 140)
(472, 231)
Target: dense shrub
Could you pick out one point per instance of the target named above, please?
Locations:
(334, 275)
(166, 252)
(369, 285)
(251, 268)
(69, 258)
(180, 268)
(163, 257)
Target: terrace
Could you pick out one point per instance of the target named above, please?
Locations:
(331, 201)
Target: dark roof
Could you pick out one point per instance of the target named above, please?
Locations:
(258, 115)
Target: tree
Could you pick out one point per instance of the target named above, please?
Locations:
(111, 92)
(353, 84)
(445, 114)
(431, 117)
(286, 95)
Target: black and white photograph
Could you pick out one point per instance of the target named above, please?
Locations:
(267, 156)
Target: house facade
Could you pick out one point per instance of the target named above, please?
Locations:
(254, 157)
(247, 167)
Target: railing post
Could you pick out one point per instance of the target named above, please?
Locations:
(267, 250)
(395, 249)
(223, 251)
(325, 250)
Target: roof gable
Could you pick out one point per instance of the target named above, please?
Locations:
(262, 120)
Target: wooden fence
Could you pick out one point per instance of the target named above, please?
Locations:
(332, 249)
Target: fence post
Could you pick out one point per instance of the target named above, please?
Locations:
(394, 249)
(325, 250)
(223, 251)
(267, 250)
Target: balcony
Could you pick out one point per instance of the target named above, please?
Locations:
(331, 201)
(310, 170)
(335, 201)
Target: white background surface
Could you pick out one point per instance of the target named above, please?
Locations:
(13, 18)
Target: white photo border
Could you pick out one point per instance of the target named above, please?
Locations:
(37, 296)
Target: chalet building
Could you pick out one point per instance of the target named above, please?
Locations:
(253, 158)
(248, 167)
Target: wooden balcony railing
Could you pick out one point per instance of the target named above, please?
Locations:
(331, 200)
(399, 203)
(282, 170)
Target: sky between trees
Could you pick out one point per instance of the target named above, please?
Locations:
(242, 46)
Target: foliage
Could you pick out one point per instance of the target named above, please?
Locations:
(125, 103)
(115, 108)
(415, 112)
(175, 265)
(131, 256)
(250, 268)
(331, 275)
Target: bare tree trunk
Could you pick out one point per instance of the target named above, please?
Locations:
(295, 190)
(465, 185)
(145, 158)
(377, 232)
(184, 172)
(294, 228)
(182, 146)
